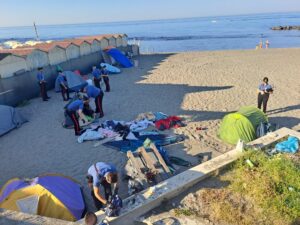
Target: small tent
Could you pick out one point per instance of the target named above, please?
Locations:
(75, 82)
(10, 118)
(241, 125)
(50, 195)
(119, 57)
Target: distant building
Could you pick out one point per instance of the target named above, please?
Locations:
(118, 40)
(95, 45)
(56, 53)
(112, 41)
(84, 46)
(124, 40)
(10, 64)
(72, 51)
(104, 43)
(34, 57)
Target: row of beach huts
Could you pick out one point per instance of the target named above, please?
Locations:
(28, 58)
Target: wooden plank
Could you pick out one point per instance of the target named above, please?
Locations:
(160, 159)
(150, 162)
(183, 181)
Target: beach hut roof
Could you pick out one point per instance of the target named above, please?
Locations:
(97, 37)
(48, 46)
(77, 42)
(20, 51)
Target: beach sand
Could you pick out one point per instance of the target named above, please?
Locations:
(202, 87)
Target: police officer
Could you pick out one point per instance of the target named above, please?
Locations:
(75, 108)
(42, 83)
(106, 175)
(104, 75)
(61, 79)
(96, 76)
(264, 91)
(97, 94)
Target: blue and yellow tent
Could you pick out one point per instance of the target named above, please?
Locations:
(51, 195)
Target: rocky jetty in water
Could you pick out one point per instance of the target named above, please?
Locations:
(286, 28)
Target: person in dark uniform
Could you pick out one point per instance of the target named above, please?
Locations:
(106, 175)
(264, 91)
(104, 75)
(42, 83)
(61, 78)
(96, 76)
(97, 94)
(75, 108)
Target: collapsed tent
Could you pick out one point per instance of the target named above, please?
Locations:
(111, 69)
(75, 82)
(10, 118)
(241, 125)
(52, 195)
(119, 57)
(106, 57)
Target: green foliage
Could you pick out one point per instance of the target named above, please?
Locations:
(183, 212)
(273, 184)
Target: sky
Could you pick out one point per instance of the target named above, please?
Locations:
(44, 12)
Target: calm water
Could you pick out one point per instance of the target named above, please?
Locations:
(177, 35)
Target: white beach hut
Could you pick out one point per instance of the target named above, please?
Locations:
(118, 40)
(56, 53)
(111, 40)
(10, 64)
(124, 40)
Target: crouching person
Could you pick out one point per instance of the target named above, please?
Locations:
(105, 175)
(97, 94)
(75, 108)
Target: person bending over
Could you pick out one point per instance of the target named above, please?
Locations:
(97, 94)
(75, 108)
(105, 175)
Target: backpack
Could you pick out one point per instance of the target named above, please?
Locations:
(114, 207)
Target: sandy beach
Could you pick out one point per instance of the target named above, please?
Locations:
(201, 87)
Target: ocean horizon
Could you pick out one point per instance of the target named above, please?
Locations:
(178, 35)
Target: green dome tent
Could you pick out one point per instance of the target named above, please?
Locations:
(241, 125)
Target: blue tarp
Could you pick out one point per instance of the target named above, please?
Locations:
(291, 145)
(133, 145)
(120, 57)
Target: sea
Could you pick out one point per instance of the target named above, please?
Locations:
(178, 35)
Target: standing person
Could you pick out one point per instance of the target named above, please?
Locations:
(267, 44)
(42, 83)
(97, 76)
(104, 74)
(261, 44)
(61, 79)
(106, 175)
(77, 107)
(97, 94)
(264, 91)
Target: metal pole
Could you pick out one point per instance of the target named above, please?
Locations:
(36, 33)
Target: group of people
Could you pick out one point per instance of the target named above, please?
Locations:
(260, 45)
(101, 173)
(75, 110)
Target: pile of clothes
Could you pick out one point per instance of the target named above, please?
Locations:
(126, 136)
